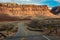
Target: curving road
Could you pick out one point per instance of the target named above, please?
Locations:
(24, 34)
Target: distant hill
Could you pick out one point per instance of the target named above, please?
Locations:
(56, 10)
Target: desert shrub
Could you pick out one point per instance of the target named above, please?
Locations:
(42, 24)
(7, 26)
(35, 23)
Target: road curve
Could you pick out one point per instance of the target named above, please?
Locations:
(24, 34)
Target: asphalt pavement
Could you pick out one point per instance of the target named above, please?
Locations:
(24, 34)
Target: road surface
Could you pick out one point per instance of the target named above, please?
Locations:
(24, 34)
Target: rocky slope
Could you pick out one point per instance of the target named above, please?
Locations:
(12, 10)
(56, 10)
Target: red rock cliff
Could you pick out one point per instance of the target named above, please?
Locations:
(22, 11)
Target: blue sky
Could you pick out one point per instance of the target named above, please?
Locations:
(50, 3)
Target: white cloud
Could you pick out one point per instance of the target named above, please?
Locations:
(57, 0)
(50, 8)
(5, 0)
(24, 0)
(32, 3)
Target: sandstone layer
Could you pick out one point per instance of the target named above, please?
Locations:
(12, 10)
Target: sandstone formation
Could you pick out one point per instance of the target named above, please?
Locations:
(23, 11)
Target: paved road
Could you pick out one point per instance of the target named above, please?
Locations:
(24, 34)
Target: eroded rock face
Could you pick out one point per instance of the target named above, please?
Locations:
(24, 11)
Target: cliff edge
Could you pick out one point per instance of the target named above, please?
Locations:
(24, 11)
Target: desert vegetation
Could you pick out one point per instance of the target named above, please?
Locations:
(44, 25)
(7, 29)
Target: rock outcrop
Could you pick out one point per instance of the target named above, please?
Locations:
(56, 10)
(24, 11)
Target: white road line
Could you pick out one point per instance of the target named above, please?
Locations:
(46, 37)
